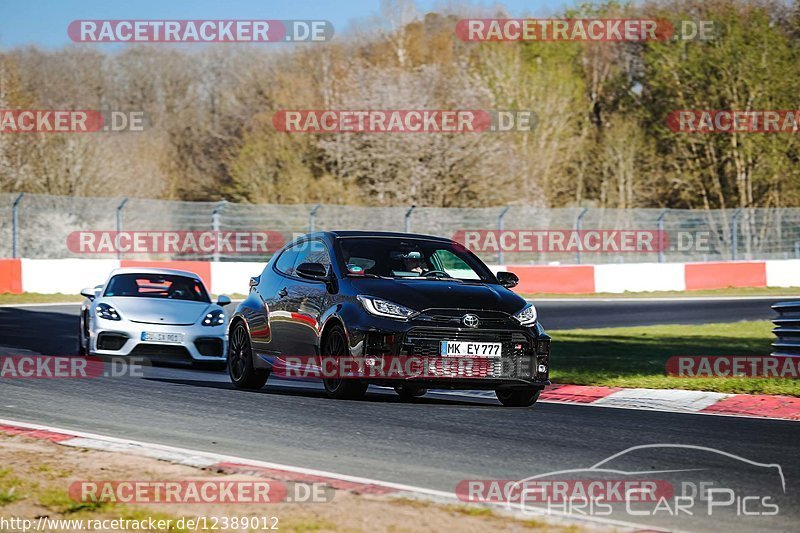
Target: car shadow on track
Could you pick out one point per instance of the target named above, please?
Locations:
(42, 332)
(288, 390)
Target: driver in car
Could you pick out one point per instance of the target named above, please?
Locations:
(414, 263)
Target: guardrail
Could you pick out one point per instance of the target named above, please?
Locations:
(787, 329)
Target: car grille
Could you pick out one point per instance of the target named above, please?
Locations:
(111, 341)
(210, 347)
(162, 352)
(517, 360)
(488, 319)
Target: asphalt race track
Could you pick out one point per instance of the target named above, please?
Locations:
(433, 442)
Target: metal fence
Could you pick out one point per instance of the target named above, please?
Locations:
(37, 226)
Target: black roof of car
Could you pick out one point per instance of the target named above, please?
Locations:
(380, 234)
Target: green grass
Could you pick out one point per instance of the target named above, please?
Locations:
(38, 298)
(636, 356)
(60, 501)
(10, 487)
(744, 291)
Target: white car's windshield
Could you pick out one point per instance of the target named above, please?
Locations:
(167, 286)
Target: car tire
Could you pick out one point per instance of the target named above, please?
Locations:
(240, 361)
(407, 392)
(518, 397)
(334, 344)
(82, 349)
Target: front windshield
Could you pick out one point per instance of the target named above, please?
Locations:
(391, 257)
(165, 286)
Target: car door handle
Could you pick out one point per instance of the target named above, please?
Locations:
(283, 293)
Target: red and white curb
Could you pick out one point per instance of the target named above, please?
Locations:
(239, 465)
(35, 275)
(680, 401)
(665, 400)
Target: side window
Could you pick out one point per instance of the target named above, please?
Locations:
(454, 265)
(286, 260)
(313, 252)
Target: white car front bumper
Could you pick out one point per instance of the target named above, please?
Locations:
(124, 338)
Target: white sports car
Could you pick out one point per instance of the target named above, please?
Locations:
(160, 314)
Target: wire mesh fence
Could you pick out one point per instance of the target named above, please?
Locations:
(41, 226)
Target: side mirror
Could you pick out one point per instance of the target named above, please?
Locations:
(254, 281)
(89, 293)
(507, 279)
(223, 300)
(315, 271)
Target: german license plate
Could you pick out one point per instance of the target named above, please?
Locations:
(157, 336)
(470, 349)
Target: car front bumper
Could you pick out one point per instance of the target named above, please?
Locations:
(124, 338)
(524, 363)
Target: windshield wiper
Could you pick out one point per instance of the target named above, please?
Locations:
(440, 278)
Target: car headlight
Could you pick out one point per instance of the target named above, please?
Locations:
(214, 318)
(106, 311)
(527, 317)
(385, 308)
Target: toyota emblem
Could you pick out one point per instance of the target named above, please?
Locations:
(471, 321)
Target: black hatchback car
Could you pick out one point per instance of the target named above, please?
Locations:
(372, 298)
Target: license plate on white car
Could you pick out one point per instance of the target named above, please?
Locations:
(471, 349)
(157, 336)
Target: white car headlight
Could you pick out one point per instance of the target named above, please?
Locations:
(385, 308)
(214, 318)
(527, 317)
(103, 310)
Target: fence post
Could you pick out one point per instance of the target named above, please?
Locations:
(500, 228)
(14, 224)
(215, 225)
(408, 218)
(578, 229)
(119, 225)
(660, 224)
(735, 234)
(312, 216)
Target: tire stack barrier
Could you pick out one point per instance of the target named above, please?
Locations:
(787, 329)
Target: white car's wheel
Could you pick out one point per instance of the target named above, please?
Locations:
(83, 340)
